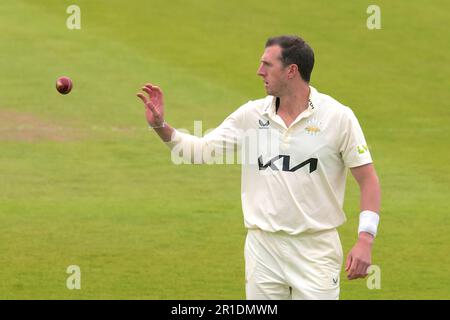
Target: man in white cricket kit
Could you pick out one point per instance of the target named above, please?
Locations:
(293, 193)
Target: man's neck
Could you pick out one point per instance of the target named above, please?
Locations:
(295, 101)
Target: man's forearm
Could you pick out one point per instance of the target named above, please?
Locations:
(370, 196)
(370, 200)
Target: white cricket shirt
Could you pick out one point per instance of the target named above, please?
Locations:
(293, 179)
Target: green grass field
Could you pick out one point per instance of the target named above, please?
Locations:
(83, 181)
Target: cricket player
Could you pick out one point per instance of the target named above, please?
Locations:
(292, 194)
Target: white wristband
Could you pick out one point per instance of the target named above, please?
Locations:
(368, 222)
(161, 126)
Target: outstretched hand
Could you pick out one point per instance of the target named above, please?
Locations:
(154, 104)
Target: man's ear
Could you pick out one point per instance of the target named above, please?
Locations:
(292, 71)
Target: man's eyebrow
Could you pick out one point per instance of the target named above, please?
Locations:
(265, 62)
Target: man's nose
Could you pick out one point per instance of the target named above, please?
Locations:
(260, 71)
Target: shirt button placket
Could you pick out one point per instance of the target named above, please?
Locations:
(285, 140)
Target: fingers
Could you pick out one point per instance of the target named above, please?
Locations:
(357, 269)
(148, 104)
(142, 97)
(348, 262)
(153, 88)
(362, 270)
(147, 90)
(154, 93)
(350, 269)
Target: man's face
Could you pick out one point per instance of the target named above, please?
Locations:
(272, 71)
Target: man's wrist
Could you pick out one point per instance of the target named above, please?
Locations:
(366, 237)
(368, 222)
(162, 125)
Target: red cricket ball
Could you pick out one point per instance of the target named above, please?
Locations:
(64, 85)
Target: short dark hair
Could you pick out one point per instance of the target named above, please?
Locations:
(294, 50)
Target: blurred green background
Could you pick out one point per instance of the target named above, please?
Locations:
(83, 182)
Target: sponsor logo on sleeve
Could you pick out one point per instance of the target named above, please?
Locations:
(362, 149)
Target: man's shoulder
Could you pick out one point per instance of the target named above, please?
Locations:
(328, 104)
(250, 110)
(259, 104)
(255, 107)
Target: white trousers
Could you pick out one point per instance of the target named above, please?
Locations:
(279, 266)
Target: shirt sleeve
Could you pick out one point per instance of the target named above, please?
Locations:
(217, 146)
(353, 146)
